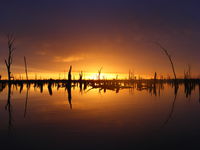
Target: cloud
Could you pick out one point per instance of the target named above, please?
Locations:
(68, 59)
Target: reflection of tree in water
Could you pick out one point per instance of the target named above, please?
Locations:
(176, 87)
(8, 108)
(26, 101)
(2, 87)
(50, 88)
(69, 87)
(21, 85)
(189, 87)
(153, 87)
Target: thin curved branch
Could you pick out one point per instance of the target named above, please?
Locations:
(169, 57)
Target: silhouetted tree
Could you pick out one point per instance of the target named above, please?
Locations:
(26, 68)
(81, 75)
(169, 57)
(155, 76)
(99, 73)
(69, 74)
(11, 49)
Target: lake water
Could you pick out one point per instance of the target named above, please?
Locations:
(130, 118)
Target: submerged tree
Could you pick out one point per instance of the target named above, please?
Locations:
(11, 49)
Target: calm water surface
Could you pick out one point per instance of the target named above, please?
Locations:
(98, 119)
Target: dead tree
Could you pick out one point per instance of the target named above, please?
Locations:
(11, 49)
(81, 75)
(155, 76)
(99, 73)
(26, 68)
(69, 74)
(169, 57)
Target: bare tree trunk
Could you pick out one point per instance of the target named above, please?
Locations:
(69, 74)
(11, 49)
(26, 68)
(81, 75)
(155, 76)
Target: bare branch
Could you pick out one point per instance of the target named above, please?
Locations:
(6, 63)
(169, 57)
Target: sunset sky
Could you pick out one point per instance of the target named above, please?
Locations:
(89, 34)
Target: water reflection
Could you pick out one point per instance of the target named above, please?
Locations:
(176, 87)
(153, 87)
(68, 87)
(26, 101)
(50, 88)
(8, 107)
(123, 112)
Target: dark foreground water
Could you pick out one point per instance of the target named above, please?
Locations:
(132, 118)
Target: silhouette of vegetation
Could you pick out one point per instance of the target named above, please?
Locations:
(169, 57)
(172, 106)
(81, 76)
(2, 86)
(8, 108)
(69, 74)
(99, 73)
(26, 71)
(9, 60)
(26, 102)
(69, 95)
(50, 87)
(155, 76)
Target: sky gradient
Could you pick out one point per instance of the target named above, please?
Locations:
(89, 34)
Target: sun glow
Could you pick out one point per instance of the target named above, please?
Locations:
(75, 76)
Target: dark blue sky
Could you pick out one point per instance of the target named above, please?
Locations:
(84, 28)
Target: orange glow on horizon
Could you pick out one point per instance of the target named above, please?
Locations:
(75, 76)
